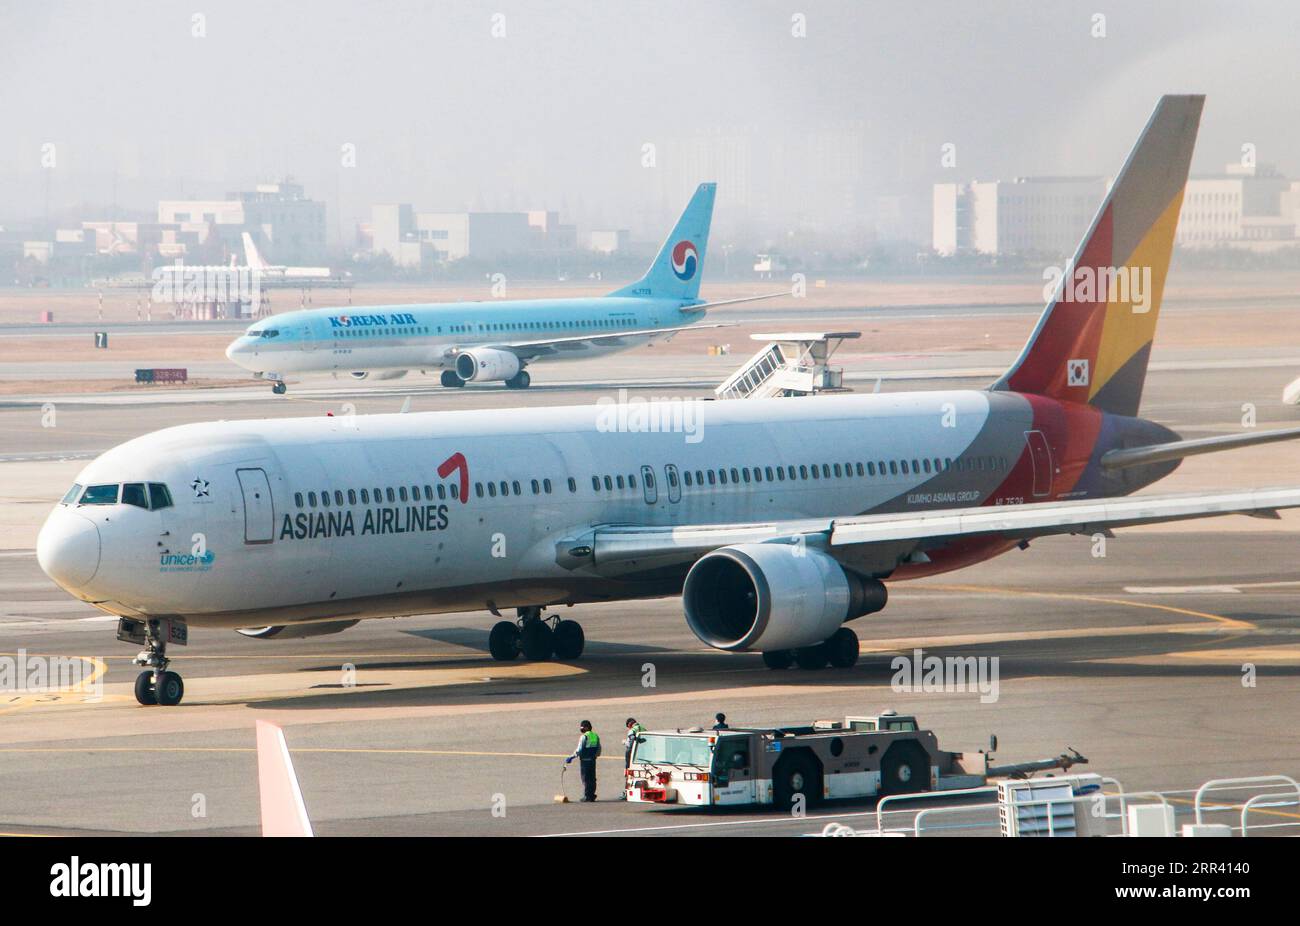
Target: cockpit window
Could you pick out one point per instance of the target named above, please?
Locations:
(270, 332)
(133, 494)
(100, 495)
(72, 494)
(159, 496)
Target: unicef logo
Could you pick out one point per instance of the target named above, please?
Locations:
(186, 562)
(684, 259)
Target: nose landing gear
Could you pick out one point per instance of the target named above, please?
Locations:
(538, 638)
(156, 685)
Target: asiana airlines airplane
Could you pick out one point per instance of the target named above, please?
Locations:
(777, 521)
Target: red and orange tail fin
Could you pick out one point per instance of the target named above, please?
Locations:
(1093, 340)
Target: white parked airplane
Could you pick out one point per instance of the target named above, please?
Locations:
(776, 520)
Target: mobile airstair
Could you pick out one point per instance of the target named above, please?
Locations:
(789, 364)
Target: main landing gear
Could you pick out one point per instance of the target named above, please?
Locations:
(156, 685)
(520, 380)
(538, 638)
(840, 650)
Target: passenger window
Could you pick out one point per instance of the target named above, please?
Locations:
(442, 491)
(546, 486)
(815, 473)
(904, 466)
(455, 491)
(735, 476)
(492, 489)
(687, 476)
(365, 496)
(515, 487)
(631, 482)
(837, 470)
(722, 476)
(573, 484)
(325, 498)
(535, 487)
(767, 470)
(338, 497)
(133, 494)
(297, 499)
(478, 489)
(100, 495)
(711, 477)
(505, 488)
(401, 493)
(595, 483)
(159, 496)
(352, 496)
(609, 484)
(311, 499)
(388, 493)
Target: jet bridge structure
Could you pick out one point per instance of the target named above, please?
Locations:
(789, 364)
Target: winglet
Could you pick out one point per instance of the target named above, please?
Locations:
(283, 811)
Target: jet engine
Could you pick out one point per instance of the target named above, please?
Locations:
(486, 365)
(381, 374)
(773, 596)
(296, 631)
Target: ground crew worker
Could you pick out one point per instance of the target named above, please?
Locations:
(634, 730)
(587, 752)
(721, 719)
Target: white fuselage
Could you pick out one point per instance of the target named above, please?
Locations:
(250, 541)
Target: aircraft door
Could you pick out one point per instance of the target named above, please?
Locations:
(648, 485)
(1040, 456)
(674, 480)
(259, 512)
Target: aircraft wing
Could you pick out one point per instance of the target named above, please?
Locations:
(877, 544)
(531, 350)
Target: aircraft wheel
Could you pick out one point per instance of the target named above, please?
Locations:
(778, 658)
(171, 690)
(811, 657)
(503, 641)
(144, 692)
(520, 380)
(536, 640)
(569, 640)
(451, 380)
(279, 388)
(842, 648)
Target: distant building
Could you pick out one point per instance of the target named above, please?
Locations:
(1252, 208)
(611, 241)
(1248, 208)
(414, 239)
(1027, 214)
(288, 227)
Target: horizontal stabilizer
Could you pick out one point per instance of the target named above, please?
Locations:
(702, 306)
(1176, 450)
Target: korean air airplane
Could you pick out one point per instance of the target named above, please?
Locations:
(776, 520)
(479, 342)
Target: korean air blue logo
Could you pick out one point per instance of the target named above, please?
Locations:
(685, 260)
(364, 321)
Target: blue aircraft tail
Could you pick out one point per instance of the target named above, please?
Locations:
(676, 271)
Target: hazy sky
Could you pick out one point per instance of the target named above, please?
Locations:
(555, 113)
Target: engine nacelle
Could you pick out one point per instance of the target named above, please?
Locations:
(296, 631)
(487, 365)
(381, 374)
(773, 596)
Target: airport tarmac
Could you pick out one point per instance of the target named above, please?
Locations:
(1136, 658)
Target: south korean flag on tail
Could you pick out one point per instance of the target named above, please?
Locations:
(1076, 373)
